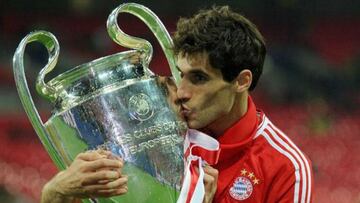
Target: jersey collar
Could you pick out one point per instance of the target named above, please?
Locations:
(239, 135)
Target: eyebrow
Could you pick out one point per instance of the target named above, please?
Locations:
(196, 71)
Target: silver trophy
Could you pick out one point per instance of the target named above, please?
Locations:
(114, 103)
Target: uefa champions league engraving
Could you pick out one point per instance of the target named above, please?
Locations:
(141, 107)
(114, 103)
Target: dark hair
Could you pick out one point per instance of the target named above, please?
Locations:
(231, 41)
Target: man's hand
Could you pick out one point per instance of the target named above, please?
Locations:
(210, 181)
(92, 174)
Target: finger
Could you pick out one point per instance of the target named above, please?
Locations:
(112, 192)
(210, 187)
(208, 170)
(211, 171)
(209, 180)
(115, 190)
(119, 170)
(103, 181)
(90, 156)
(103, 163)
(120, 182)
(210, 176)
(104, 152)
(102, 177)
(116, 157)
(110, 155)
(116, 184)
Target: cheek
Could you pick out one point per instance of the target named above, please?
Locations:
(218, 104)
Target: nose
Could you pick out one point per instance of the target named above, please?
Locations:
(183, 93)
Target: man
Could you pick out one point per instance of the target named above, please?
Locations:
(220, 55)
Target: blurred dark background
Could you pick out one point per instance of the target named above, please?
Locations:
(309, 88)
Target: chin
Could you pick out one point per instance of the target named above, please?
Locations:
(190, 124)
(194, 125)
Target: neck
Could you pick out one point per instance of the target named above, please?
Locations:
(238, 110)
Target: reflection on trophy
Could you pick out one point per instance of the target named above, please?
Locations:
(114, 103)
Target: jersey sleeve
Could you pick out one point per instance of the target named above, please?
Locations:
(290, 185)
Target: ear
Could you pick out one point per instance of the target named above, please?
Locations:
(243, 81)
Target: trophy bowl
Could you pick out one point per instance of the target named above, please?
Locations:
(112, 104)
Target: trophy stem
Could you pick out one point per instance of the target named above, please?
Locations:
(23, 89)
(155, 25)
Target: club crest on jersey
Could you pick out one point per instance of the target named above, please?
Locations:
(241, 188)
(243, 185)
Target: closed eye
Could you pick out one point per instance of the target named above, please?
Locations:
(198, 78)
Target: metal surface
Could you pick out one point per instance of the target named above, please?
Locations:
(154, 24)
(114, 103)
(52, 46)
(136, 122)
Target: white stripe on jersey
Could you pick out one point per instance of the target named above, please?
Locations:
(294, 157)
(306, 173)
(261, 126)
(288, 155)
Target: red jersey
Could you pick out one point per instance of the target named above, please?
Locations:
(259, 163)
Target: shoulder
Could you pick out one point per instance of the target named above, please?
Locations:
(282, 161)
(274, 143)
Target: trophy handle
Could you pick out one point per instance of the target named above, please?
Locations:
(155, 25)
(50, 42)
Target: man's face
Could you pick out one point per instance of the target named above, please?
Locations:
(206, 99)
